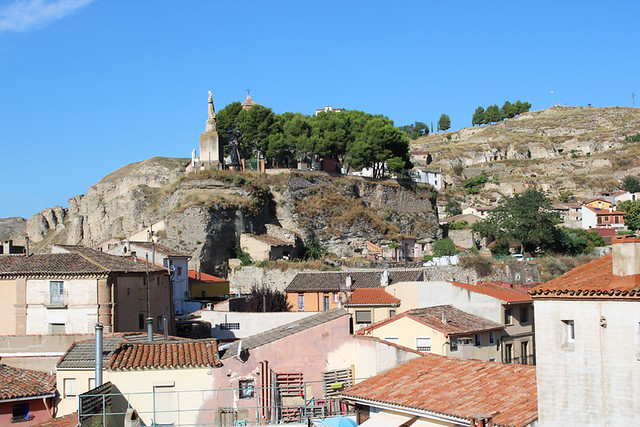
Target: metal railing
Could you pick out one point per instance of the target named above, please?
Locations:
(107, 406)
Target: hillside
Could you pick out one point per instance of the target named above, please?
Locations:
(204, 213)
(573, 153)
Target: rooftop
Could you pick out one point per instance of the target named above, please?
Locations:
(69, 260)
(506, 292)
(69, 420)
(275, 334)
(183, 354)
(372, 296)
(334, 281)
(269, 240)
(204, 277)
(457, 322)
(16, 383)
(603, 211)
(160, 249)
(81, 354)
(455, 387)
(594, 279)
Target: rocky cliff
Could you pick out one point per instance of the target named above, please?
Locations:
(204, 213)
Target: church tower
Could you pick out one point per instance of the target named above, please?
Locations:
(210, 148)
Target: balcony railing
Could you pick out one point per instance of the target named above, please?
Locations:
(50, 300)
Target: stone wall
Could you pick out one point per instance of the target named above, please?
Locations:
(246, 277)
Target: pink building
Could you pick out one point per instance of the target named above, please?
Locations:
(26, 397)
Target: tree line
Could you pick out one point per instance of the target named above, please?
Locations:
(495, 114)
(354, 138)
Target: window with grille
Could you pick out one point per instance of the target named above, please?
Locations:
(246, 389)
(423, 344)
(56, 292)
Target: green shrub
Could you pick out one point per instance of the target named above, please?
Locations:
(473, 185)
(444, 247)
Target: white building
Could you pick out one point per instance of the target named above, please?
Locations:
(427, 177)
(327, 108)
(588, 341)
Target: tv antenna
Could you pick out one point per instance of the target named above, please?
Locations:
(633, 100)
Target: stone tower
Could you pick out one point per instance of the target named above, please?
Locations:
(210, 149)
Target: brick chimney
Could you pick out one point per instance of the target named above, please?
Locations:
(626, 255)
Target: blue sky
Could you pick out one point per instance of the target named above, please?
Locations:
(88, 86)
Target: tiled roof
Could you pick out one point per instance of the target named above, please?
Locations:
(16, 383)
(109, 262)
(275, 334)
(458, 322)
(603, 211)
(372, 296)
(506, 292)
(333, 281)
(373, 248)
(594, 279)
(204, 277)
(164, 250)
(81, 354)
(269, 240)
(69, 420)
(74, 260)
(455, 387)
(185, 354)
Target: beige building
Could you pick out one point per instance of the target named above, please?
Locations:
(370, 305)
(262, 247)
(588, 341)
(503, 303)
(68, 291)
(443, 330)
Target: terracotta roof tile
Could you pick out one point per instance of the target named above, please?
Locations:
(506, 292)
(334, 281)
(372, 296)
(594, 279)
(373, 248)
(603, 211)
(75, 260)
(16, 383)
(457, 387)
(69, 420)
(186, 354)
(458, 322)
(204, 277)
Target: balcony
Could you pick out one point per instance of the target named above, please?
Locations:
(55, 301)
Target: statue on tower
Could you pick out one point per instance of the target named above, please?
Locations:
(211, 121)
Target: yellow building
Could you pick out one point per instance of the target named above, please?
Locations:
(598, 203)
(442, 330)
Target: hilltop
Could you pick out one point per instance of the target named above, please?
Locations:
(573, 153)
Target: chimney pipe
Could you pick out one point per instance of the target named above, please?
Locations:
(164, 325)
(349, 282)
(98, 360)
(153, 253)
(26, 242)
(150, 328)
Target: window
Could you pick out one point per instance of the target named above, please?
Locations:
(140, 321)
(394, 340)
(325, 302)
(56, 293)
(478, 340)
(246, 389)
(336, 297)
(453, 344)
(599, 220)
(508, 320)
(20, 412)
(56, 328)
(508, 349)
(69, 385)
(524, 314)
(300, 302)
(492, 359)
(160, 324)
(616, 219)
(423, 343)
(363, 317)
(179, 271)
(569, 333)
(92, 383)
(523, 347)
(492, 337)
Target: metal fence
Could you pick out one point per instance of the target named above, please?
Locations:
(164, 406)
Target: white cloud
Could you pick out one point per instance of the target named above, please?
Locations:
(23, 15)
